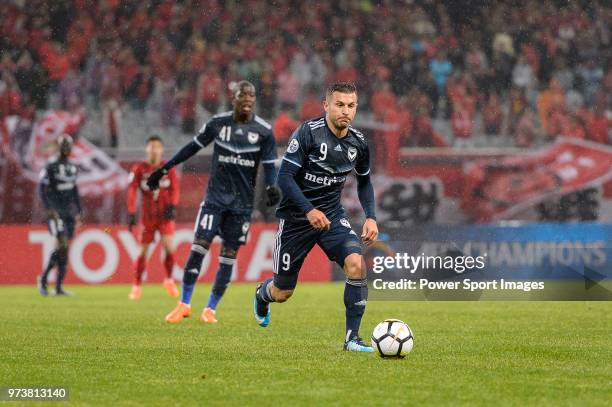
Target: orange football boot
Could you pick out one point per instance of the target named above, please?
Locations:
(177, 314)
(170, 287)
(208, 316)
(135, 294)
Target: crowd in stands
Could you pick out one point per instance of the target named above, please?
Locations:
(527, 70)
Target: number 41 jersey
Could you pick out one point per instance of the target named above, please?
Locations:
(325, 161)
(238, 150)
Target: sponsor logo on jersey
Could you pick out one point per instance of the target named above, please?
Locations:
(338, 148)
(253, 137)
(239, 132)
(323, 180)
(65, 186)
(344, 222)
(293, 146)
(352, 153)
(236, 159)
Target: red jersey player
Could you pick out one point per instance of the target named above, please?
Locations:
(158, 210)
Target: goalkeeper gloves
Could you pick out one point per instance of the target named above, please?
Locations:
(170, 212)
(153, 180)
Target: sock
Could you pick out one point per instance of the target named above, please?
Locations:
(192, 271)
(222, 280)
(264, 292)
(50, 265)
(355, 299)
(140, 268)
(169, 264)
(62, 262)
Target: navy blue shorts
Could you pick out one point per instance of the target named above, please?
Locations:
(294, 240)
(232, 227)
(62, 227)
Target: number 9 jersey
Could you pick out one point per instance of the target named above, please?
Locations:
(325, 161)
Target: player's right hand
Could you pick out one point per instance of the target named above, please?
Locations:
(318, 220)
(52, 214)
(131, 221)
(153, 180)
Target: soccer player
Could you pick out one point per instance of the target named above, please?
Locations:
(158, 213)
(242, 140)
(60, 196)
(320, 155)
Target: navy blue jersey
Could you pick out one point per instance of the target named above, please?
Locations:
(325, 161)
(238, 150)
(58, 187)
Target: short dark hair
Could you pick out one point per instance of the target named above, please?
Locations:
(155, 137)
(342, 87)
(236, 87)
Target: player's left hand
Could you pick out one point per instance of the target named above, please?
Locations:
(273, 195)
(78, 221)
(170, 212)
(369, 233)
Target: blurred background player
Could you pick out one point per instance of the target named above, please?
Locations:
(321, 154)
(158, 211)
(242, 140)
(60, 197)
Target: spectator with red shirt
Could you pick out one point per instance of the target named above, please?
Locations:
(462, 123)
(526, 132)
(311, 105)
(284, 125)
(492, 115)
(210, 87)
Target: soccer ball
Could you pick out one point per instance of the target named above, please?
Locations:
(392, 338)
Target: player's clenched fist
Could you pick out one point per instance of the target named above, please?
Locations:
(369, 233)
(318, 220)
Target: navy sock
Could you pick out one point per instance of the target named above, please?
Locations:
(192, 271)
(264, 292)
(222, 280)
(50, 265)
(62, 262)
(355, 298)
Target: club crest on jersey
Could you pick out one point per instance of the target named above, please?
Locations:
(252, 137)
(344, 222)
(293, 146)
(352, 153)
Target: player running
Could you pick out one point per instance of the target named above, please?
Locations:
(158, 211)
(320, 155)
(242, 140)
(60, 196)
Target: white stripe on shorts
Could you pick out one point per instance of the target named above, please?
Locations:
(277, 246)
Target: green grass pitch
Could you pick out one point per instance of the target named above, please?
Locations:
(110, 351)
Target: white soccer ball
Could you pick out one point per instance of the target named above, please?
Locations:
(392, 338)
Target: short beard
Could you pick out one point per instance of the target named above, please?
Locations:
(340, 126)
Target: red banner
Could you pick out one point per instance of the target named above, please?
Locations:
(31, 145)
(106, 254)
(498, 189)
